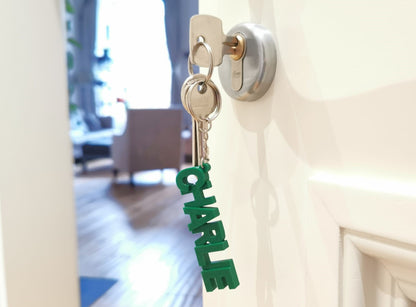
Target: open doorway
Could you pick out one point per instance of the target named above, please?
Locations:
(131, 227)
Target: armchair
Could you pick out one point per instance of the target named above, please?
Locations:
(151, 140)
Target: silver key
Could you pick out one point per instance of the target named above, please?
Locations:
(195, 131)
(202, 96)
(203, 101)
(196, 139)
(210, 29)
(187, 84)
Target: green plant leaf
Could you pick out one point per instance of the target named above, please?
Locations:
(74, 42)
(69, 8)
(72, 107)
(69, 60)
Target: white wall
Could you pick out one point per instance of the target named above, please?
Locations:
(38, 233)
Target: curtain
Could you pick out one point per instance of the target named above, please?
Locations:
(83, 77)
(177, 15)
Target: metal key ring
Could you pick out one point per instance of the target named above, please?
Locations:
(203, 161)
(217, 109)
(211, 59)
(197, 78)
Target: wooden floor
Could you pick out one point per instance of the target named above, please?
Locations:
(137, 235)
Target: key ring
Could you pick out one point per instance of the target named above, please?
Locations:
(211, 59)
(199, 78)
(217, 109)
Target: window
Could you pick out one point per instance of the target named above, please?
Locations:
(133, 32)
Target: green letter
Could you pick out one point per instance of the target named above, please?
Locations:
(221, 277)
(212, 233)
(196, 188)
(200, 216)
(202, 254)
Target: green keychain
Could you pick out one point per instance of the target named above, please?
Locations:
(201, 98)
(214, 273)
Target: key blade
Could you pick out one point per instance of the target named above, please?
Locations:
(195, 144)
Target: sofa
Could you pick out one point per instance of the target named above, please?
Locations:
(91, 137)
(151, 140)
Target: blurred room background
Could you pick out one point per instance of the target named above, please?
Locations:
(126, 63)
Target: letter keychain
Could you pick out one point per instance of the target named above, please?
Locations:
(202, 100)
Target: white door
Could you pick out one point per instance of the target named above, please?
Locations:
(316, 181)
(38, 247)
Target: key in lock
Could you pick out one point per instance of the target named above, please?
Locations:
(249, 69)
(208, 29)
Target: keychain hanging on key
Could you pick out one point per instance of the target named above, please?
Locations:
(202, 100)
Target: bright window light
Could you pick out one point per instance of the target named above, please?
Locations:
(134, 32)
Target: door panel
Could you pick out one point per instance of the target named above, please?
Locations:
(328, 151)
(377, 272)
